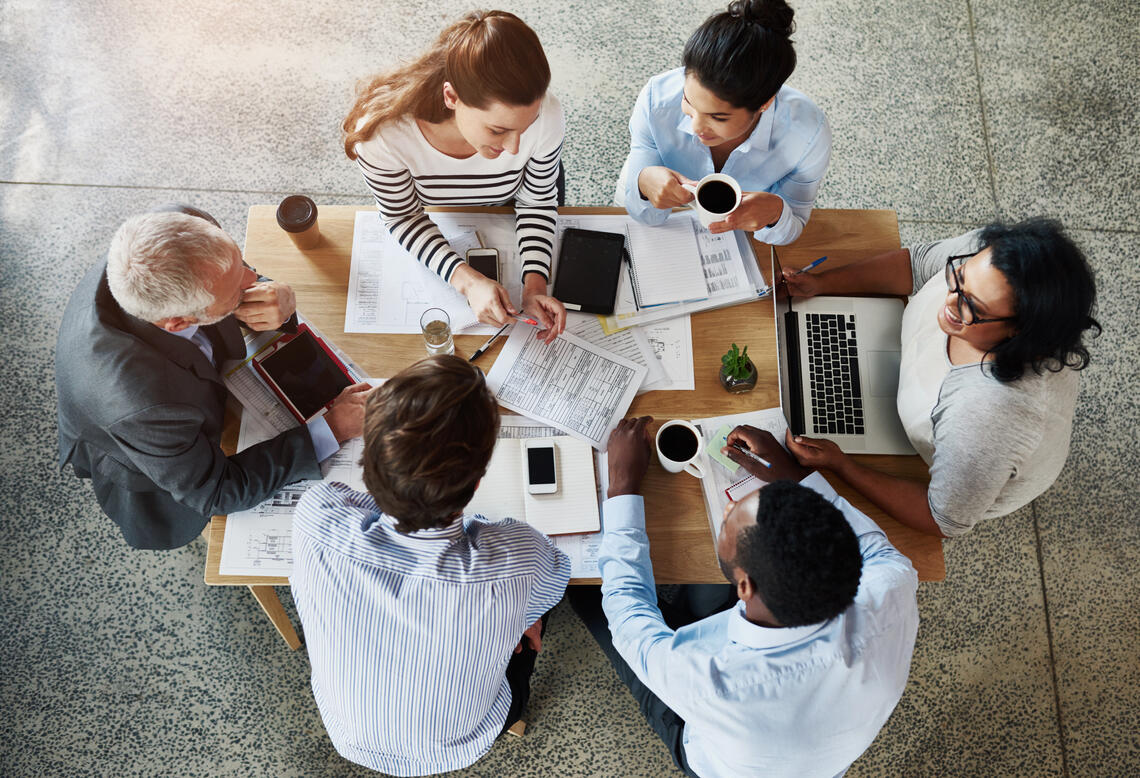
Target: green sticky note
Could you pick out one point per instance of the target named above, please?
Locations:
(719, 441)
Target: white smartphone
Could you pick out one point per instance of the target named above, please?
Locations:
(486, 261)
(541, 467)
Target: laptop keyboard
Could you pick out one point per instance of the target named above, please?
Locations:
(836, 400)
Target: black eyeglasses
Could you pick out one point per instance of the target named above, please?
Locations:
(965, 305)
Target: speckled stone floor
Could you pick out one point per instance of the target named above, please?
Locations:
(123, 663)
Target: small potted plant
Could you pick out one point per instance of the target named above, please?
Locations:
(737, 373)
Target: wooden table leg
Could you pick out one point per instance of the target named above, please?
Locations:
(267, 598)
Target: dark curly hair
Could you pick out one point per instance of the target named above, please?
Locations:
(743, 55)
(801, 554)
(429, 433)
(1054, 293)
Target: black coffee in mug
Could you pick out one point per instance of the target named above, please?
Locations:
(678, 443)
(716, 197)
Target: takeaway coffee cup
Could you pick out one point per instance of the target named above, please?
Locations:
(715, 196)
(297, 215)
(679, 448)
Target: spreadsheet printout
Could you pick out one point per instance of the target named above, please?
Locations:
(573, 385)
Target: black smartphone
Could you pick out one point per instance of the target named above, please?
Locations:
(486, 261)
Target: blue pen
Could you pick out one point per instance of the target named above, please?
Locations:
(812, 266)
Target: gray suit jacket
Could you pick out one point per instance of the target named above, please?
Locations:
(141, 413)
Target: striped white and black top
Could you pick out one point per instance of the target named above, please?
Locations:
(409, 636)
(406, 173)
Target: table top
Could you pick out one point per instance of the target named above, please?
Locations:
(681, 543)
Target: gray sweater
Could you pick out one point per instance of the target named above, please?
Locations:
(997, 446)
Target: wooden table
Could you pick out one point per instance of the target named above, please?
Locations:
(681, 545)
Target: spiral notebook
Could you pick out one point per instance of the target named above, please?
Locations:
(665, 264)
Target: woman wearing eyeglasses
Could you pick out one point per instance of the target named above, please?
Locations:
(991, 345)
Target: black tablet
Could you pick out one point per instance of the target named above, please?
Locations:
(303, 372)
(589, 263)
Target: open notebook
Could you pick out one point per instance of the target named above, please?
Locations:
(502, 493)
(665, 264)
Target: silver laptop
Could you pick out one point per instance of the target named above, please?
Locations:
(839, 368)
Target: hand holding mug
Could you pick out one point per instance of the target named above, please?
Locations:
(664, 188)
(717, 195)
(756, 211)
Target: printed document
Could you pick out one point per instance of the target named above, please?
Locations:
(573, 385)
(719, 475)
(730, 276)
(259, 541)
(631, 343)
(672, 343)
(388, 289)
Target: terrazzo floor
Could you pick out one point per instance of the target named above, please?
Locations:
(119, 662)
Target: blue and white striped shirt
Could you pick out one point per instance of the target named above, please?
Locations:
(409, 636)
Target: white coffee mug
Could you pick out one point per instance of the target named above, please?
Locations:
(691, 464)
(706, 216)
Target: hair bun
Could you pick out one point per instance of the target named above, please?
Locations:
(773, 15)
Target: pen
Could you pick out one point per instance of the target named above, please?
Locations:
(524, 319)
(479, 351)
(749, 453)
(812, 266)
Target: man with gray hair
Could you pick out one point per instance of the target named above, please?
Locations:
(141, 401)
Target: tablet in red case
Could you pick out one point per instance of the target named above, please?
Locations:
(304, 373)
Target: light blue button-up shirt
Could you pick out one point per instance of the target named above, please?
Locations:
(792, 701)
(786, 154)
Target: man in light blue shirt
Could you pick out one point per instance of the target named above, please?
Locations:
(414, 613)
(798, 677)
(727, 111)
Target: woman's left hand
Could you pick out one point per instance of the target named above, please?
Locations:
(548, 311)
(756, 211)
(815, 453)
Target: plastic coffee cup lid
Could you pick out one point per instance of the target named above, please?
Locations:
(296, 213)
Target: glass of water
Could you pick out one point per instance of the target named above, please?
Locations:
(436, 327)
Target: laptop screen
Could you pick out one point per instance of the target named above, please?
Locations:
(786, 349)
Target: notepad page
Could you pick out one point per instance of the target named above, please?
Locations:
(574, 507)
(500, 493)
(666, 262)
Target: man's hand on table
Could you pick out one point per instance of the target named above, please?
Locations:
(345, 416)
(628, 453)
(764, 445)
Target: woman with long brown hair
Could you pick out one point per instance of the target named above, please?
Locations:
(470, 122)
